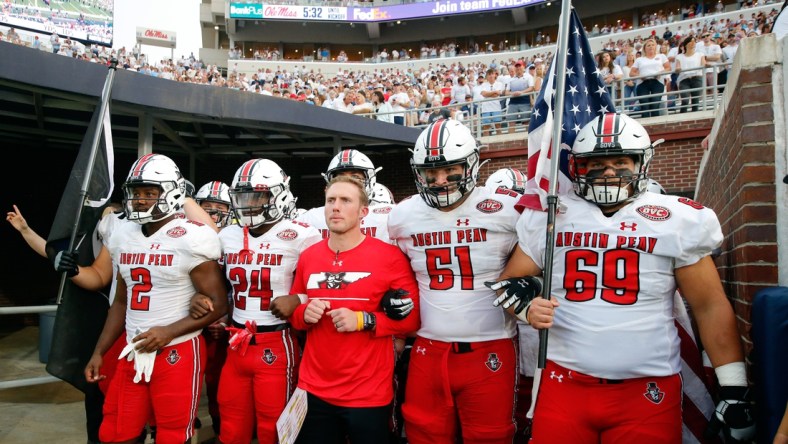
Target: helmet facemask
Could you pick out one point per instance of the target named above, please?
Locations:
(458, 184)
(259, 192)
(625, 185)
(607, 136)
(444, 144)
(158, 210)
(261, 205)
(222, 217)
(154, 170)
(215, 193)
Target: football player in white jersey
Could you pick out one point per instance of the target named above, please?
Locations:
(510, 178)
(259, 257)
(463, 364)
(381, 195)
(356, 164)
(214, 198)
(514, 180)
(163, 261)
(613, 363)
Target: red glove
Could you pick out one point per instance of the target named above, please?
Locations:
(240, 338)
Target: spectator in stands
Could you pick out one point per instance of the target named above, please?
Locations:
(609, 71)
(437, 112)
(382, 107)
(399, 102)
(361, 105)
(713, 54)
(538, 73)
(651, 65)
(459, 91)
(690, 82)
(491, 109)
(446, 91)
(54, 40)
(520, 87)
(629, 84)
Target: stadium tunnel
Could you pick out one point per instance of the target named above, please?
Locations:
(46, 102)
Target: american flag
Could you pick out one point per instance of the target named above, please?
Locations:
(585, 99)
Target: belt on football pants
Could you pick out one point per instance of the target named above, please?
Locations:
(461, 347)
(266, 328)
(582, 377)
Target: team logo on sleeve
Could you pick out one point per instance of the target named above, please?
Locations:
(176, 232)
(173, 357)
(691, 203)
(654, 212)
(493, 363)
(334, 281)
(382, 210)
(653, 393)
(489, 206)
(268, 356)
(287, 234)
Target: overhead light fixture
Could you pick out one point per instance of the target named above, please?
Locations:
(216, 27)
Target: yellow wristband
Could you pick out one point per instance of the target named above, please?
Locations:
(359, 320)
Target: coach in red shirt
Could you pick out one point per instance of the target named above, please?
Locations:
(348, 362)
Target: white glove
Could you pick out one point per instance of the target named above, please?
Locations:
(128, 350)
(143, 364)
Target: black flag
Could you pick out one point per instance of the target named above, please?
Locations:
(81, 314)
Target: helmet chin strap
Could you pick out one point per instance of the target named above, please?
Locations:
(607, 195)
(446, 199)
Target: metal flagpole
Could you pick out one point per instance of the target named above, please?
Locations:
(555, 159)
(106, 92)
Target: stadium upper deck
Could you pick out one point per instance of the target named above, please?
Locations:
(298, 32)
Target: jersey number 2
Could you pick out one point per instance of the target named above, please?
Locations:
(141, 277)
(258, 286)
(620, 276)
(443, 278)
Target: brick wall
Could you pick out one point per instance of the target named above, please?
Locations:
(675, 164)
(738, 182)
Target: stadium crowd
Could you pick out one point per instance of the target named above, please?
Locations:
(410, 96)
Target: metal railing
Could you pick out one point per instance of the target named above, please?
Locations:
(708, 96)
(38, 380)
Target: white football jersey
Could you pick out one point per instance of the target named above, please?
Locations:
(453, 254)
(375, 224)
(104, 230)
(156, 271)
(614, 278)
(267, 270)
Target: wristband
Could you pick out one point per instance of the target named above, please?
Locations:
(360, 320)
(302, 297)
(732, 374)
(369, 321)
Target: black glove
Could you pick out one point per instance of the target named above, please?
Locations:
(67, 261)
(733, 414)
(520, 291)
(396, 305)
(189, 188)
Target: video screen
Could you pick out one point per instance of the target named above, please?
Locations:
(88, 21)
